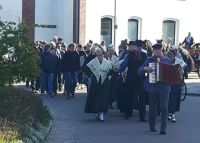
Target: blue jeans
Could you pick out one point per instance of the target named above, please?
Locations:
(47, 78)
(70, 81)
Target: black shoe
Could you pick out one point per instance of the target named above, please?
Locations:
(153, 130)
(163, 132)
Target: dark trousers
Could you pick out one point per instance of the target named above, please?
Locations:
(142, 104)
(174, 98)
(37, 84)
(135, 99)
(60, 81)
(70, 81)
(154, 99)
(32, 84)
(55, 82)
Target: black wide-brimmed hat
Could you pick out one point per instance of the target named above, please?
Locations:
(157, 46)
(132, 43)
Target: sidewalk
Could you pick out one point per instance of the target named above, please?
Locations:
(193, 84)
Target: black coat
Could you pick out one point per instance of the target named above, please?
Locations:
(133, 85)
(70, 62)
(98, 97)
(134, 64)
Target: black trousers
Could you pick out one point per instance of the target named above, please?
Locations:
(142, 103)
(135, 98)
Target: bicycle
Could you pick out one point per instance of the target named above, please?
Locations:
(183, 91)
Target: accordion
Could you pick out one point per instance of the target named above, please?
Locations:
(164, 73)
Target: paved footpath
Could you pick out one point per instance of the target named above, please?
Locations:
(72, 125)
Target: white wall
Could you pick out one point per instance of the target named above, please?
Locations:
(51, 12)
(95, 9)
(65, 20)
(152, 12)
(44, 15)
(12, 10)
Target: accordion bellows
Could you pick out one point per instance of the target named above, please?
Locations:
(164, 73)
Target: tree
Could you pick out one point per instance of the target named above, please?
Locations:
(18, 56)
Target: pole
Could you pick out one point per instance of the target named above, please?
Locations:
(115, 26)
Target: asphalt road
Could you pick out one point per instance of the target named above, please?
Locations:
(72, 125)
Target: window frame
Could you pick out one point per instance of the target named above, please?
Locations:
(176, 30)
(112, 28)
(139, 30)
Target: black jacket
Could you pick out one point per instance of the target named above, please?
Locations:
(71, 62)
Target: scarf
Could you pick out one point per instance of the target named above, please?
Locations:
(100, 70)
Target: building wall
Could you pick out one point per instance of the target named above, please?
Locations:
(95, 9)
(50, 13)
(12, 10)
(151, 12)
(65, 20)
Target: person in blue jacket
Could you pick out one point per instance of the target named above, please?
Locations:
(158, 92)
(48, 66)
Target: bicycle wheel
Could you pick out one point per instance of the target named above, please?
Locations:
(183, 91)
(198, 70)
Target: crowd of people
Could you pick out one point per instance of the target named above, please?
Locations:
(110, 77)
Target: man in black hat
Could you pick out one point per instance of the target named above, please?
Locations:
(158, 92)
(132, 97)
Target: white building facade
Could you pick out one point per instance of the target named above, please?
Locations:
(56, 17)
(142, 19)
(11, 10)
(82, 20)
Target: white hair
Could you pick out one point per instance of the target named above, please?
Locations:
(98, 49)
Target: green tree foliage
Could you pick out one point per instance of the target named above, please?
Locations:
(18, 57)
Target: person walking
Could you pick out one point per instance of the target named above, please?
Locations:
(98, 97)
(134, 97)
(70, 67)
(175, 93)
(158, 92)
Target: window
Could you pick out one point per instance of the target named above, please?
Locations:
(170, 31)
(106, 30)
(133, 29)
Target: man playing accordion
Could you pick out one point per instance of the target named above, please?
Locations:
(158, 92)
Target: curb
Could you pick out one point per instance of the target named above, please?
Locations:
(48, 131)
